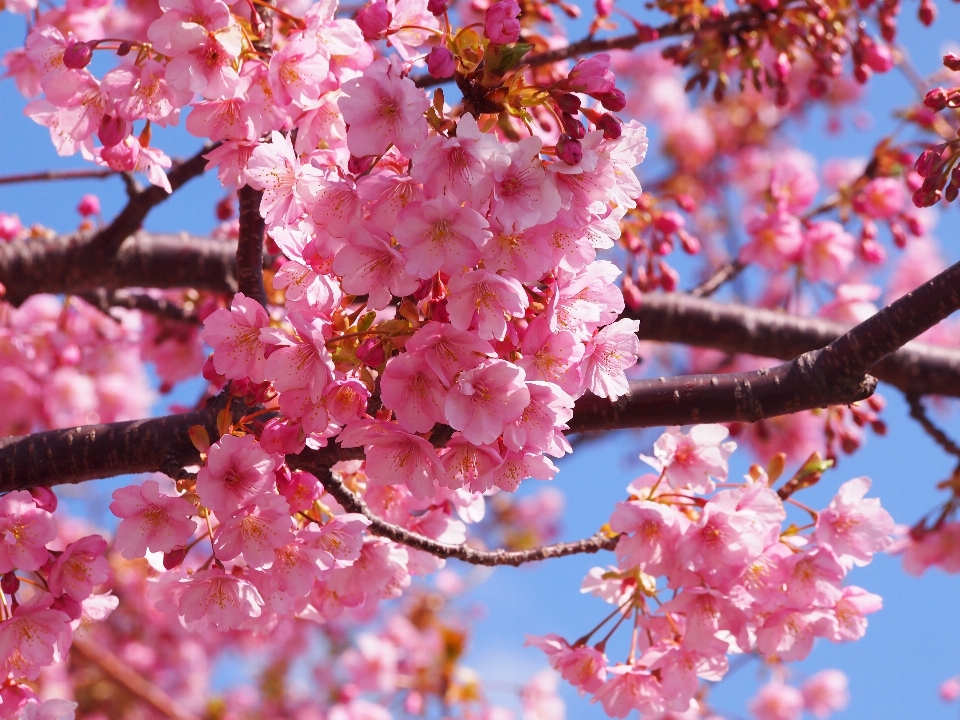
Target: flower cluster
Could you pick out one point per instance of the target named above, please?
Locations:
(741, 581)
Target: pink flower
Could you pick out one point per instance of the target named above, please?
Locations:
(255, 530)
(26, 530)
(606, 356)
(208, 67)
(298, 73)
(629, 688)
(301, 360)
(485, 399)
(689, 461)
(552, 356)
(447, 350)
(650, 534)
(396, 457)
(237, 470)
(591, 76)
(827, 251)
(881, 198)
(142, 92)
(10, 226)
(382, 108)
(487, 298)
(88, 205)
(500, 24)
(370, 266)
(35, 637)
(339, 542)
(583, 667)
(776, 701)
(275, 168)
(775, 240)
(851, 612)
(523, 195)
(213, 597)
(469, 465)
(825, 693)
(151, 521)
(414, 392)
(234, 336)
(853, 527)
(789, 634)
(374, 19)
(540, 427)
(440, 234)
(539, 698)
(853, 304)
(80, 567)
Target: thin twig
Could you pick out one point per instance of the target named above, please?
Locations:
(724, 274)
(353, 503)
(919, 413)
(84, 174)
(105, 300)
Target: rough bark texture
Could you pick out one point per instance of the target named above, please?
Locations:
(250, 246)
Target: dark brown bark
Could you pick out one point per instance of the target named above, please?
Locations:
(73, 264)
(250, 246)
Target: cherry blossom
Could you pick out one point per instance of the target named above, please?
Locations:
(150, 520)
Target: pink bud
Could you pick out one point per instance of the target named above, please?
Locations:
(44, 498)
(438, 7)
(573, 127)
(441, 63)
(951, 61)
(282, 436)
(950, 689)
(568, 103)
(359, 165)
(124, 48)
(89, 205)
(936, 99)
(614, 101)
(370, 352)
(113, 130)
(501, 25)
(77, 56)
(592, 76)
(781, 67)
(669, 278)
(878, 57)
(174, 558)
(10, 583)
(612, 129)
(604, 8)
(927, 13)
(872, 252)
(373, 19)
(691, 245)
(10, 226)
(669, 222)
(569, 150)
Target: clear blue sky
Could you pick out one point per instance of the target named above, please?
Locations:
(910, 646)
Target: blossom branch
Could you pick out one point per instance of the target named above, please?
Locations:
(250, 246)
(105, 300)
(352, 502)
(126, 677)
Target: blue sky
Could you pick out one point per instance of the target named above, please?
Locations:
(910, 647)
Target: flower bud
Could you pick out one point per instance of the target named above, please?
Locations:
(614, 101)
(10, 583)
(569, 150)
(927, 163)
(951, 61)
(282, 436)
(438, 7)
(89, 205)
(174, 558)
(10, 226)
(936, 99)
(592, 76)
(124, 48)
(500, 24)
(669, 222)
(370, 352)
(373, 19)
(77, 56)
(44, 498)
(359, 165)
(568, 103)
(573, 127)
(604, 8)
(224, 209)
(441, 63)
(610, 125)
(927, 12)
(877, 56)
(113, 130)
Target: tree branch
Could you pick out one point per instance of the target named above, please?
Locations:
(126, 677)
(105, 300)
(352, 502)
(917, 368)
(250, 246)
(74, 264)
(82, 174)
(919, 413)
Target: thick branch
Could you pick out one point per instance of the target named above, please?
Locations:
(917, 368)
(73, 264)
(351, 502)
